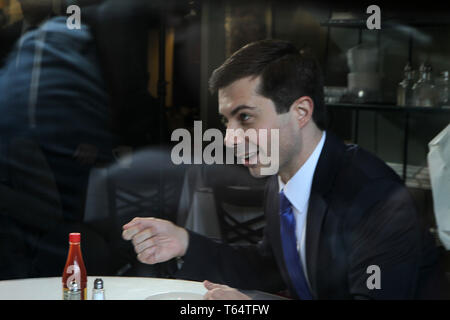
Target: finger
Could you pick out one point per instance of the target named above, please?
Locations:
(142, 236)
(144, 222)
(208, 296)
(226, 294)
(132, 223)
(211, 285)
(215, 294)
(128, 234)
(145, 245)
(148, 256)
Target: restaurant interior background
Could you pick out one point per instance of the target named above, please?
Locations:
(136, 179)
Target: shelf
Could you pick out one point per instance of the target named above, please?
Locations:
(389, 107)
(388, 23)
(345, 23)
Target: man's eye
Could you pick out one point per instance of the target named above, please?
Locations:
(244, 117)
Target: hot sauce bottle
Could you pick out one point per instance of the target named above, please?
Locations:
(74, 269)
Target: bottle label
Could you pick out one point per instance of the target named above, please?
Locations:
(75, 272)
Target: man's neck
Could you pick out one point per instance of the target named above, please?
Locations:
(309, 144)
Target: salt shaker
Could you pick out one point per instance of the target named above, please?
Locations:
(98, 293)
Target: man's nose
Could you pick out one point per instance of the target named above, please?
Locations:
(233, 137)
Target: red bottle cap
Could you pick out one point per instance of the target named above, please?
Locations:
(74, 237)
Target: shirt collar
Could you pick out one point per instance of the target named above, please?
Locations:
(298, 188)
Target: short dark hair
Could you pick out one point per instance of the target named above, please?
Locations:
(286, 74)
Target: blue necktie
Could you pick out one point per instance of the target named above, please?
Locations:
(289, 244)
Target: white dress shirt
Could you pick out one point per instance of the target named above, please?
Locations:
(298, 190)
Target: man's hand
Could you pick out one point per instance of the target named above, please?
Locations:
(156, 240)
(222, 292)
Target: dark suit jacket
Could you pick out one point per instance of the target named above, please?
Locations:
(360, 214)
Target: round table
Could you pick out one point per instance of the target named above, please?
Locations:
(116, 288)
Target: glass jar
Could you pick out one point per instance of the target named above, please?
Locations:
(404, 89)
(424, 90)
(442, 87)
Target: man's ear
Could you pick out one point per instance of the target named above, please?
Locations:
(302, 109)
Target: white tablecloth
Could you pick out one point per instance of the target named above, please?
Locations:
(116, 288)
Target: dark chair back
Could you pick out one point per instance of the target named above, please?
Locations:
(241, 213)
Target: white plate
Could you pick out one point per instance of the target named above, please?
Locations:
(176, 296)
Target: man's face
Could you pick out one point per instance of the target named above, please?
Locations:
(243, 108)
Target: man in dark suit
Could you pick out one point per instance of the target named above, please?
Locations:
(340, 222)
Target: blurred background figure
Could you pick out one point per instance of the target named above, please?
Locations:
(70, 99)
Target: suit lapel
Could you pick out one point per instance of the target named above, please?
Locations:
(316, 213)
(327, 167)
(273, 215)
